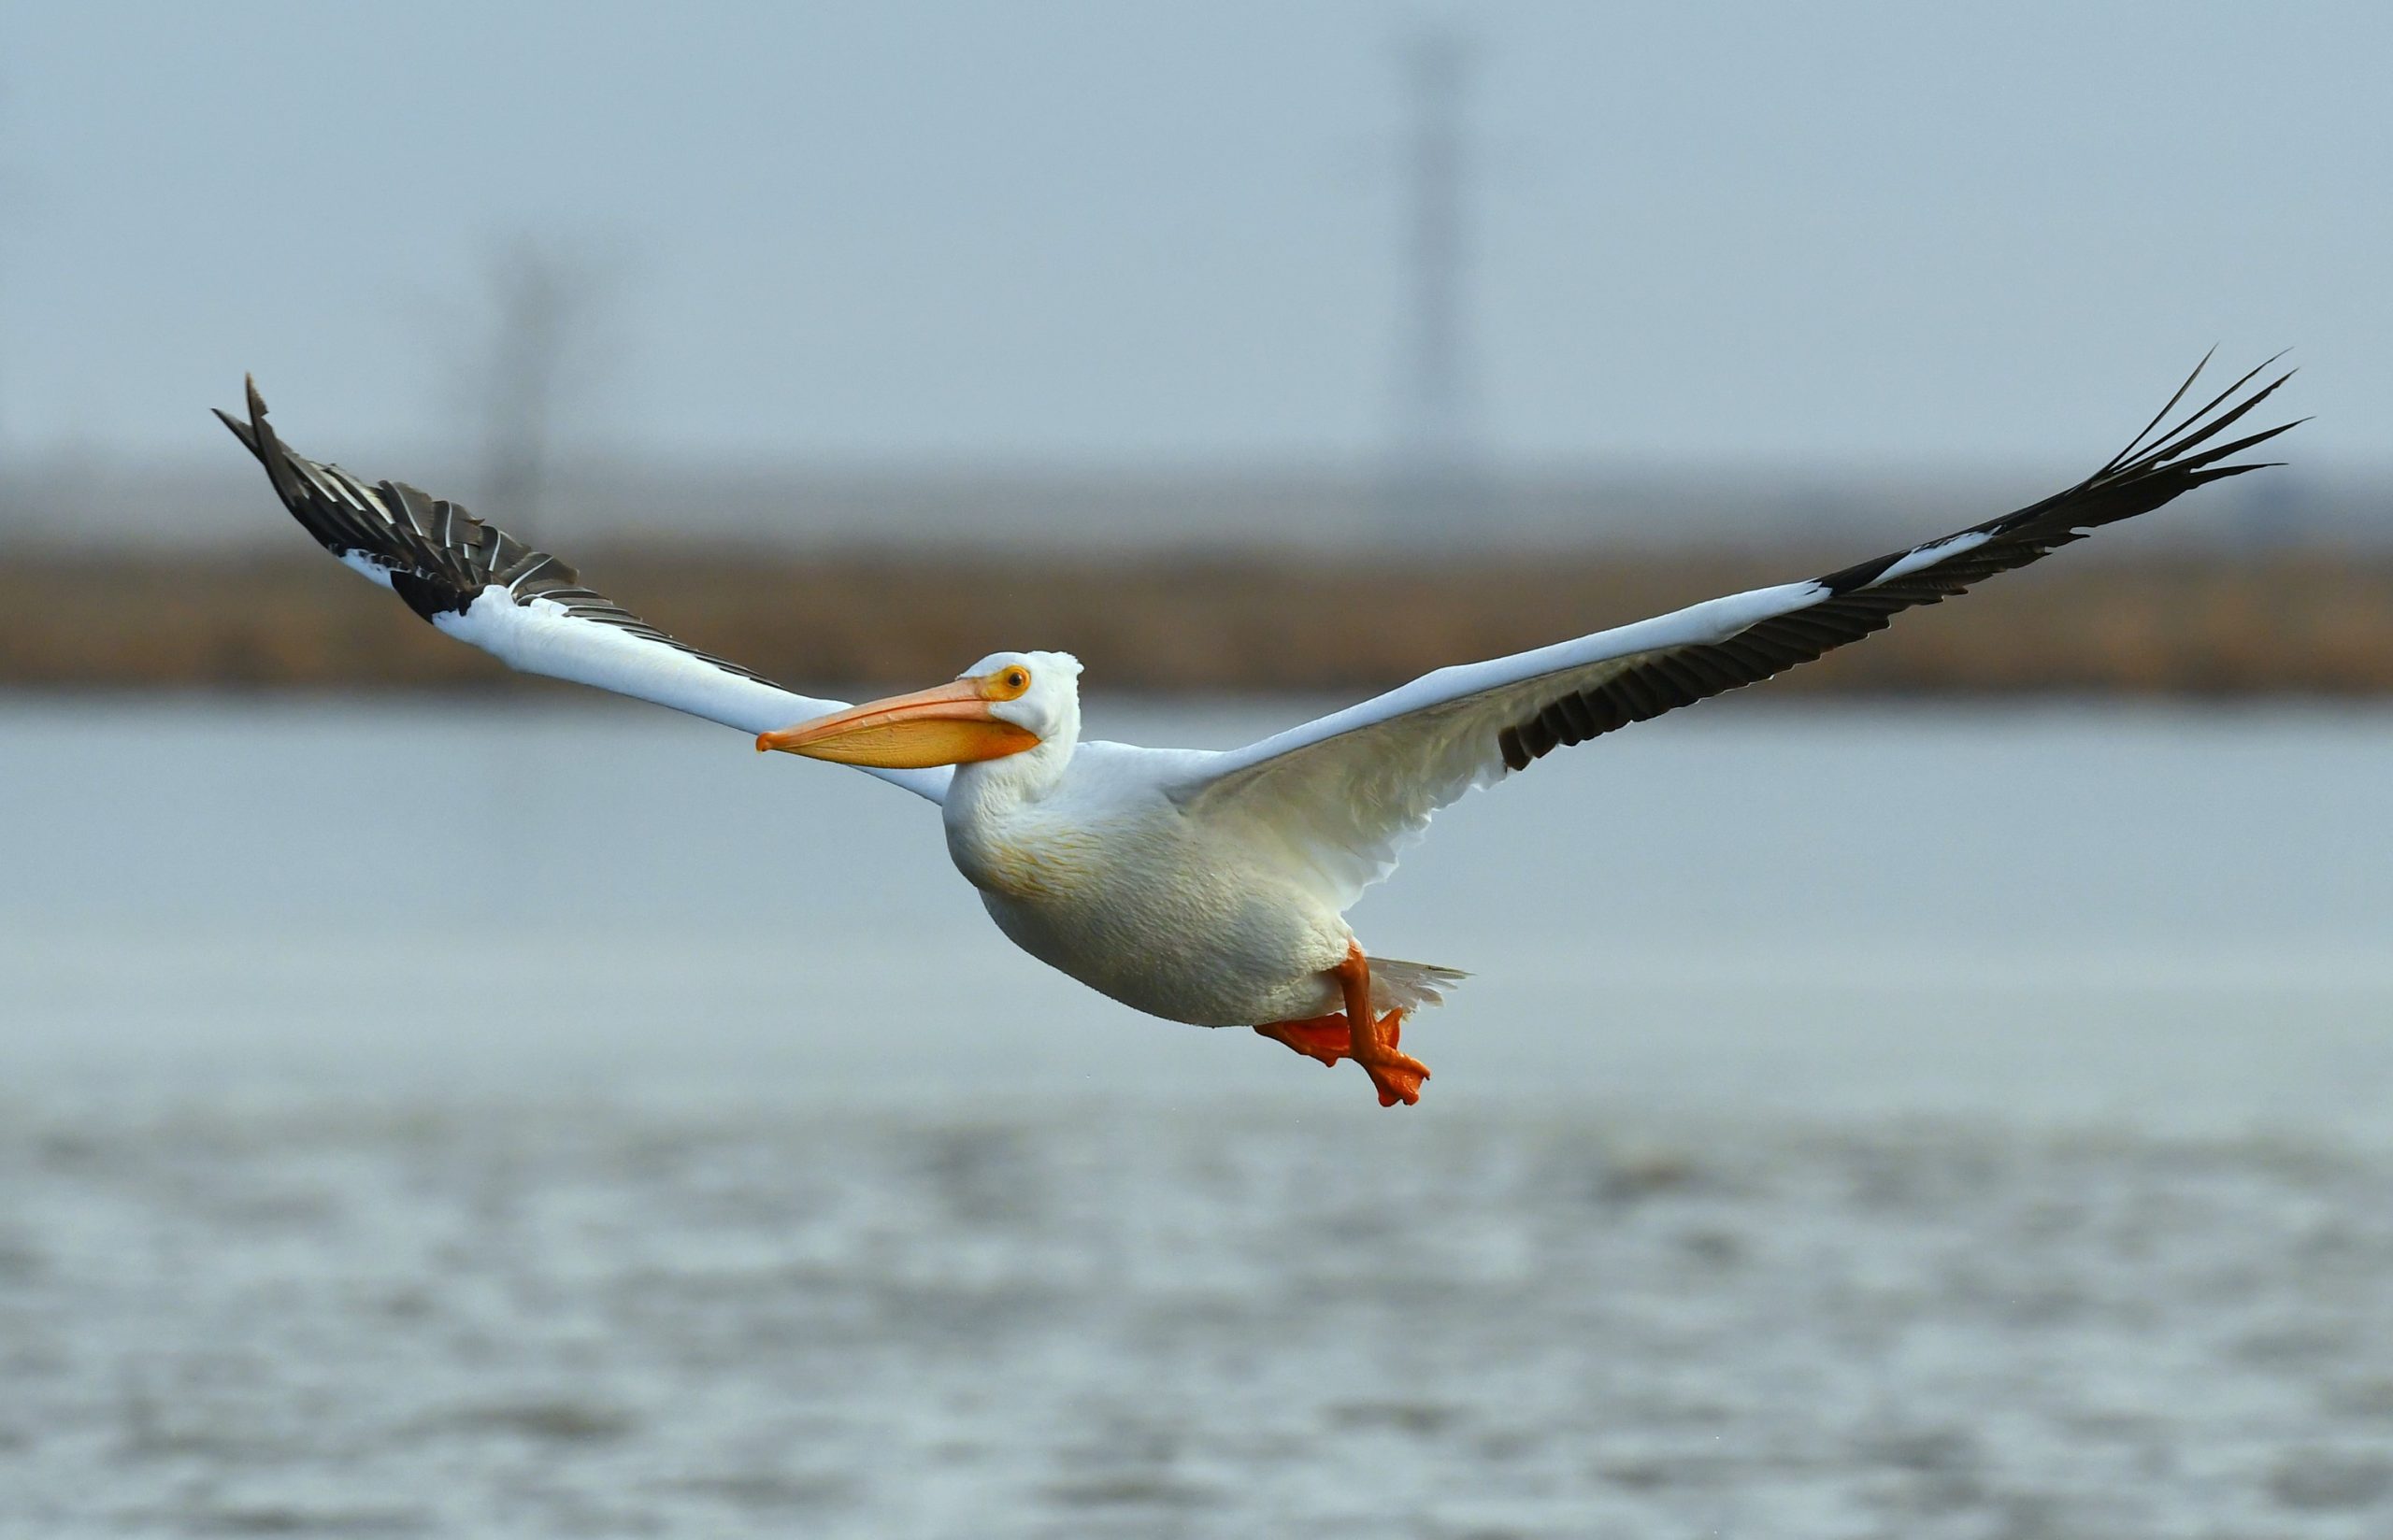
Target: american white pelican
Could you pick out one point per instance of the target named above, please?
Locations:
(1195, 886)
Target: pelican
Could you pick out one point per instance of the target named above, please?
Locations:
(1209, 887)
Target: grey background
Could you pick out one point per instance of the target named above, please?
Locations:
(1091, 233)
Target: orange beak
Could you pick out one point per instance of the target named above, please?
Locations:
(949, 724)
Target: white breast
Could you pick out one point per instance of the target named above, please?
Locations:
(1106, 879)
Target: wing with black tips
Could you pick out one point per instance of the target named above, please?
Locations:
(528, 608)
(1343, 792)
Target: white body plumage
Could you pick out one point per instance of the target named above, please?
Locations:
(1089, 866)
(1088, 860)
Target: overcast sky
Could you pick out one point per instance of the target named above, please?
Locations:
(1111, 232)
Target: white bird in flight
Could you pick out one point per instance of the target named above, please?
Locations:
(1198, 886)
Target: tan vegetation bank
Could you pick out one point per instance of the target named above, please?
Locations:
(2318, 623)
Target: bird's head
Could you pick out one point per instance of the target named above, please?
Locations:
(1007, 704)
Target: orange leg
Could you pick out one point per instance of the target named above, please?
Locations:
(1397, 1075)
(1372, 1039)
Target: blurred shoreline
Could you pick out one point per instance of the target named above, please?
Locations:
(2191, 624)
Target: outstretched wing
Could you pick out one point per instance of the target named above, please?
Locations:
(525, 607)
(1342, 794)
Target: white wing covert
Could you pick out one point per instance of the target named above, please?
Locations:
(1342, 794)
(526, 608)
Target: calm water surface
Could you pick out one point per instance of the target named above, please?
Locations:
(513, 1119)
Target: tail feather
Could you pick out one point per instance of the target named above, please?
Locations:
(1410, 986)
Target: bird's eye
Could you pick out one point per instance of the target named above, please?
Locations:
(1009, 683)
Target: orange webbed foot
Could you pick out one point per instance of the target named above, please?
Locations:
(1322, 1037)
(1396, 1075)
(1328, 1039)
(1398, 1079)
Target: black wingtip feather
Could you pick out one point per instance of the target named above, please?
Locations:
(2156, 467)
(240, 428)
(438, 557)
(2166, 408)
(254, 435)
(2201, 427)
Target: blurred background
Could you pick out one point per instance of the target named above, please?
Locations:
(1942, 1093)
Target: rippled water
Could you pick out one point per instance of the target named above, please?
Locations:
(591, 1320)
(502, 1122)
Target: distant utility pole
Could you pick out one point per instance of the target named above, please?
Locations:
(542, 304)
(11, 488)
(1436, 453)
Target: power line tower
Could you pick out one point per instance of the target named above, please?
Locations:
(8, 492)
(535, 303)
(531, 359)
(1435, 470)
